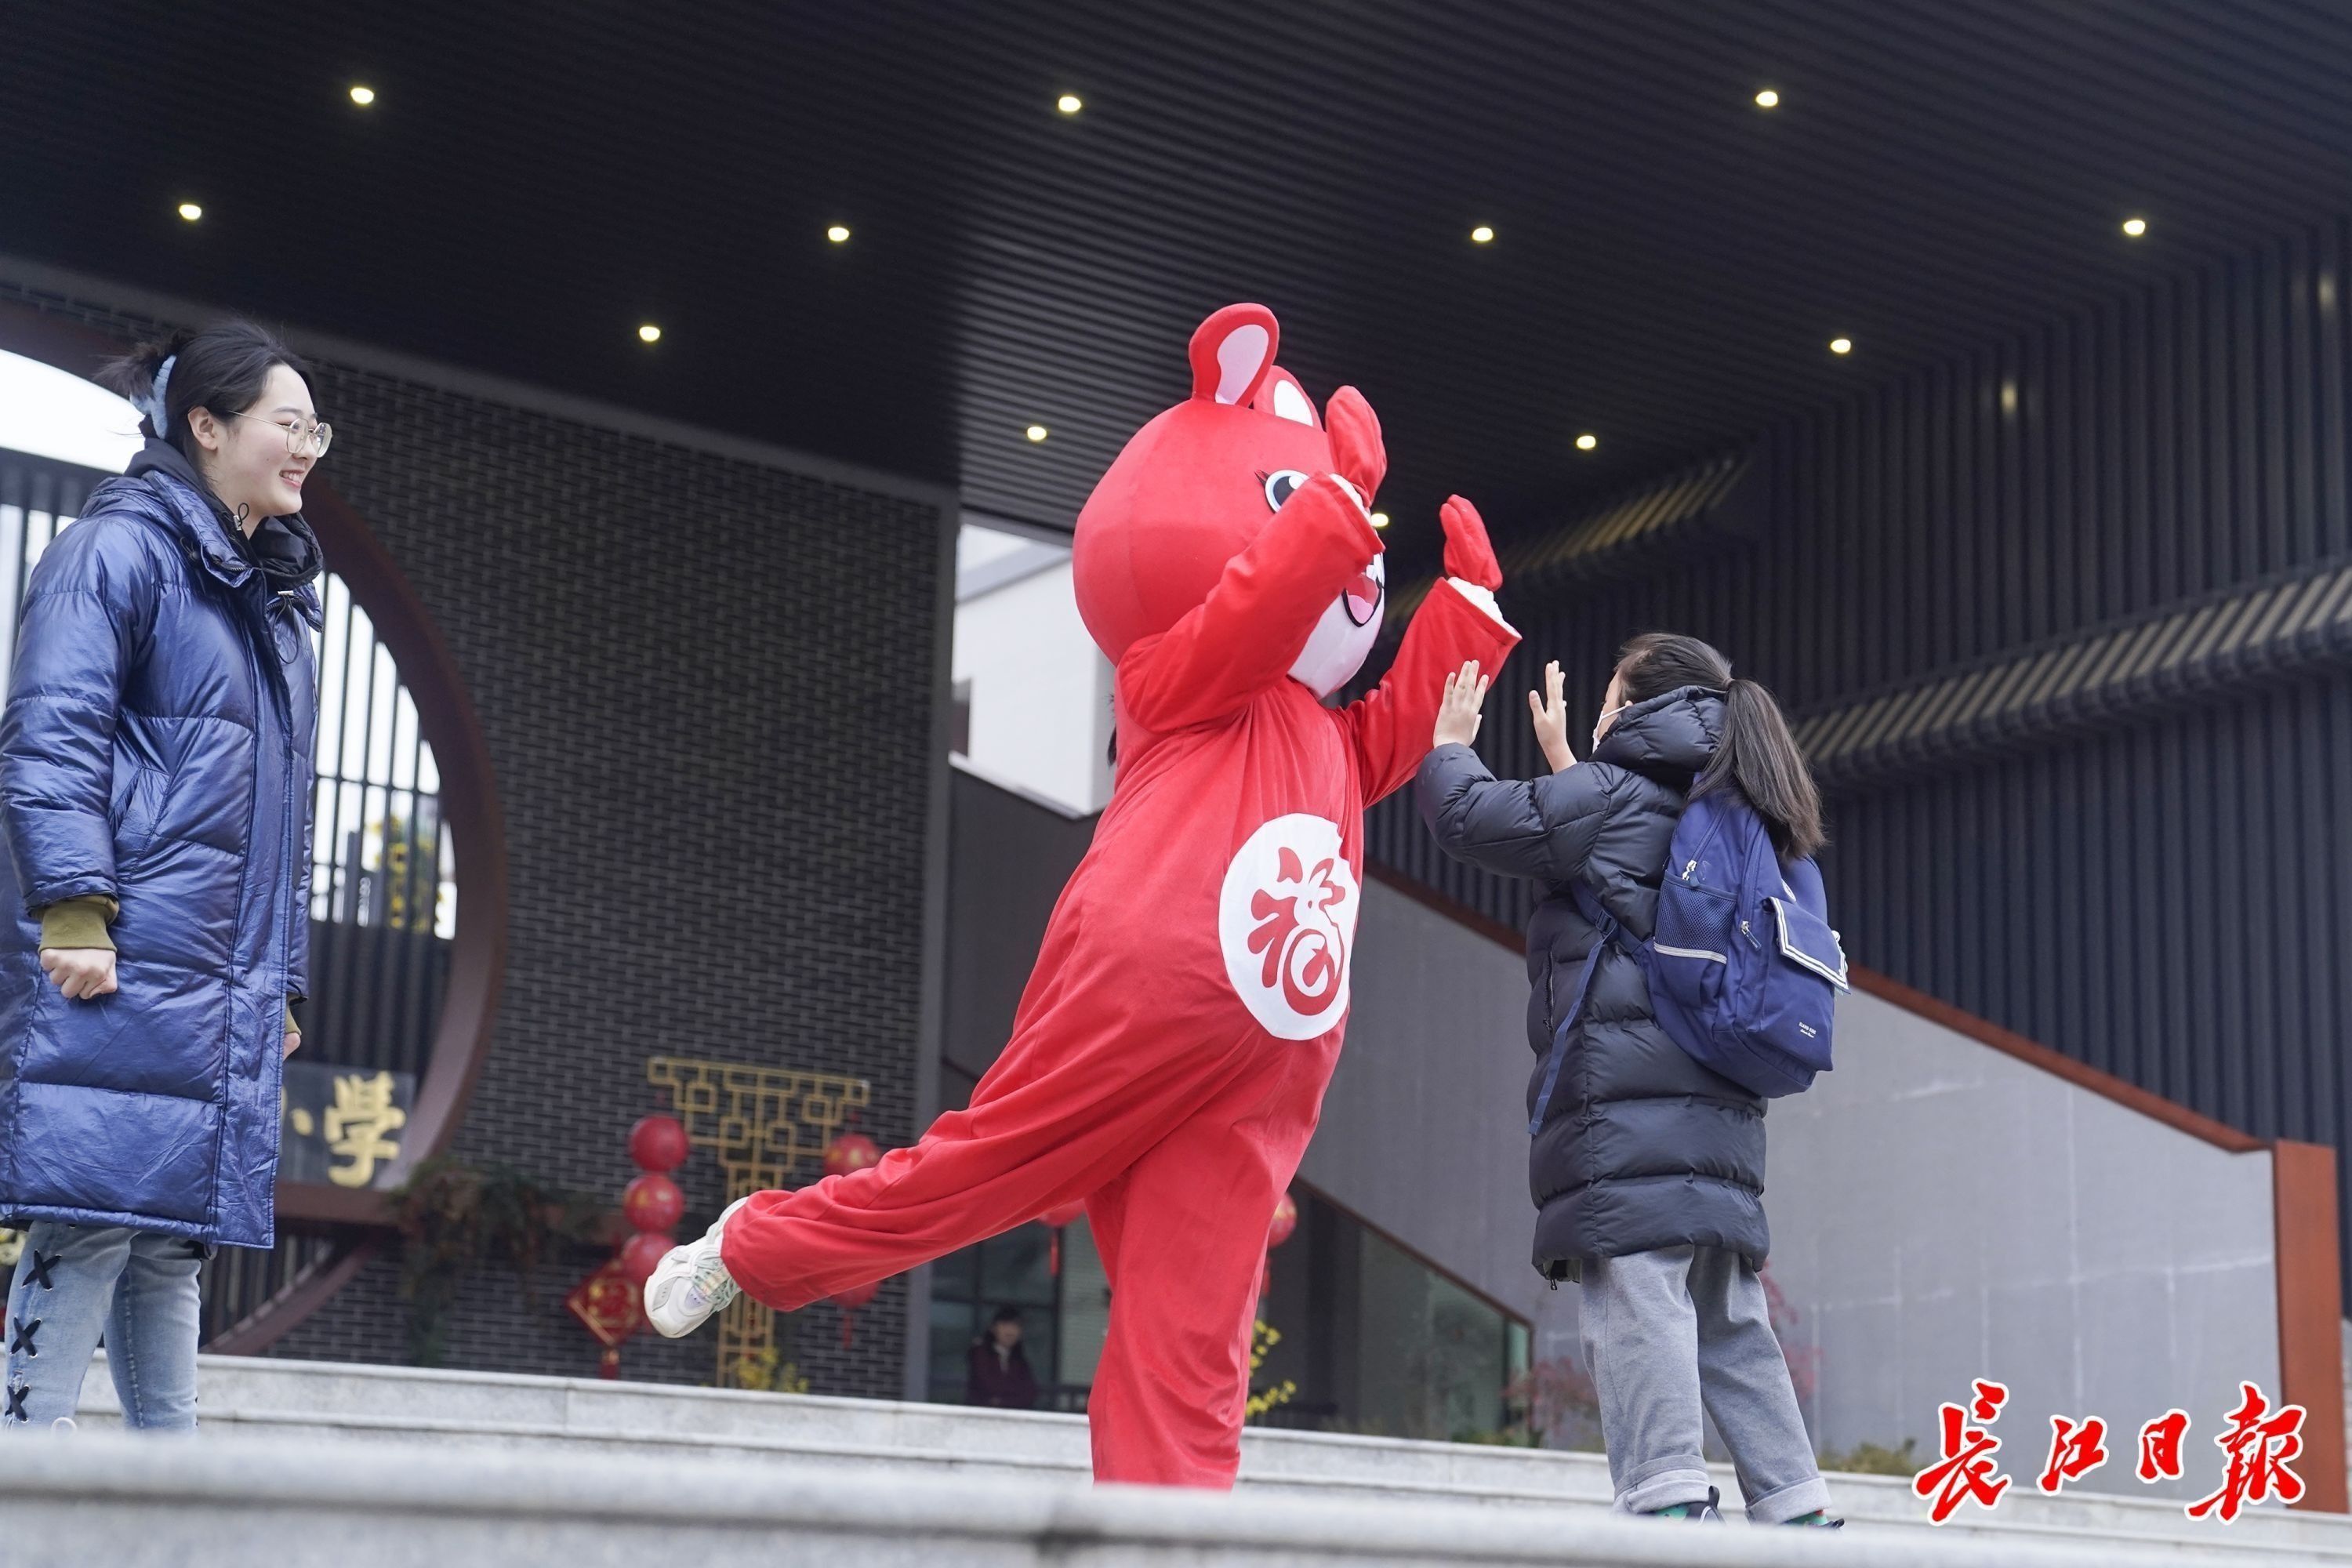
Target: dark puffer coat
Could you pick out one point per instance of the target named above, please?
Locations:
(156, 747)
(1641, 1147)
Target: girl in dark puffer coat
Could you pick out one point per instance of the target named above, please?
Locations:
(1648, 1169)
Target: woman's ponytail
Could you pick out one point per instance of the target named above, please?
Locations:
(135, 376)
(1759, 756)
(225, 368)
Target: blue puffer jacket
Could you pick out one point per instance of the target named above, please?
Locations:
(156, 746)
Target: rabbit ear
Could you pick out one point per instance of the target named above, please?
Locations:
(1231, 352)
(1281, 395)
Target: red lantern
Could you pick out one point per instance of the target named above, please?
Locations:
(1055, 1220)
(652, 1202)
(611, 1301)
(641, 1253)
(1285, 1221)
(849, 1300)
(850, 1152)
(658, 1143)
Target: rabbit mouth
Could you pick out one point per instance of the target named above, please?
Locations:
(1362, 598)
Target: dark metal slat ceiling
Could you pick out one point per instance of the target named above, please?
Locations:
(537, 178)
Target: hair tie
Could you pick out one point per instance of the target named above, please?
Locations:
(156, 408)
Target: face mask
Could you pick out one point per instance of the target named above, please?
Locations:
(1601, 724)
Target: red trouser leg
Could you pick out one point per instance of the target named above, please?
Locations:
(1062, 1113)
(1184, 1238)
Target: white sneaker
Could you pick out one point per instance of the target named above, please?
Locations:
(690, 1283)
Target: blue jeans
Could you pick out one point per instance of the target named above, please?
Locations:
(139, 1286)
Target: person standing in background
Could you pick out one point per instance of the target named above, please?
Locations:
(1001, 1378)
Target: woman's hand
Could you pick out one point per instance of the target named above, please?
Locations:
(1550, 710)
(82, 973)
(1458, 715)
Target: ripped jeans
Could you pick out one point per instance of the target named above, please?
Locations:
(140, 1288)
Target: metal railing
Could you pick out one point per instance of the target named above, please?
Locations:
(383, 887)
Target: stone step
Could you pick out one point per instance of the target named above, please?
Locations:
(367, 1503)
(497, 1414)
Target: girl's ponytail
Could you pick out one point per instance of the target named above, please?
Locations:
(1758, 756)
(1761, 757)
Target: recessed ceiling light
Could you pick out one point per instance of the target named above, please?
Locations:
(649, 333)
(2135, 226)
(1841, 345)
(1767, 98)
(363, 96)
(1069, 103)
(190, 211)
(1482, 234)
(1586, 442)
(1037, 432)
(1379, 520)
(838, 234)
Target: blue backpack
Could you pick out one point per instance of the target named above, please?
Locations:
(1744, 970)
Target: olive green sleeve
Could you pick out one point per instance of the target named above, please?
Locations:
(80, 922)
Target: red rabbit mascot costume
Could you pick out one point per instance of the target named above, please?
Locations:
(1171, 1053)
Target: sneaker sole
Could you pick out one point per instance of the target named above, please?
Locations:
(655, 1283)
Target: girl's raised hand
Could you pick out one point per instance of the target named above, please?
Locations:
(1458, 715)
(1550, 710)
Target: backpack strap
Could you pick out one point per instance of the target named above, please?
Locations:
(1605, 931)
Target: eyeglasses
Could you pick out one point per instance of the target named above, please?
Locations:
(302, 440)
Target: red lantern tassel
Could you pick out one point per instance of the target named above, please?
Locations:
(1054, 1254)
(848, 1327)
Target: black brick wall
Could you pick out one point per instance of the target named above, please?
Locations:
(705, 687)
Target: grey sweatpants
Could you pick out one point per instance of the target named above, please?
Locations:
(1666, 1332)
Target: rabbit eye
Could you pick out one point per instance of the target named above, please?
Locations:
(1281, 487)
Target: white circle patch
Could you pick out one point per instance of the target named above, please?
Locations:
(1286, 920)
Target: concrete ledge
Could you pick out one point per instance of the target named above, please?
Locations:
(405, 1411)
(147, 1503)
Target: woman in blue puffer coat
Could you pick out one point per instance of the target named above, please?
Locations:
(154, 809)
